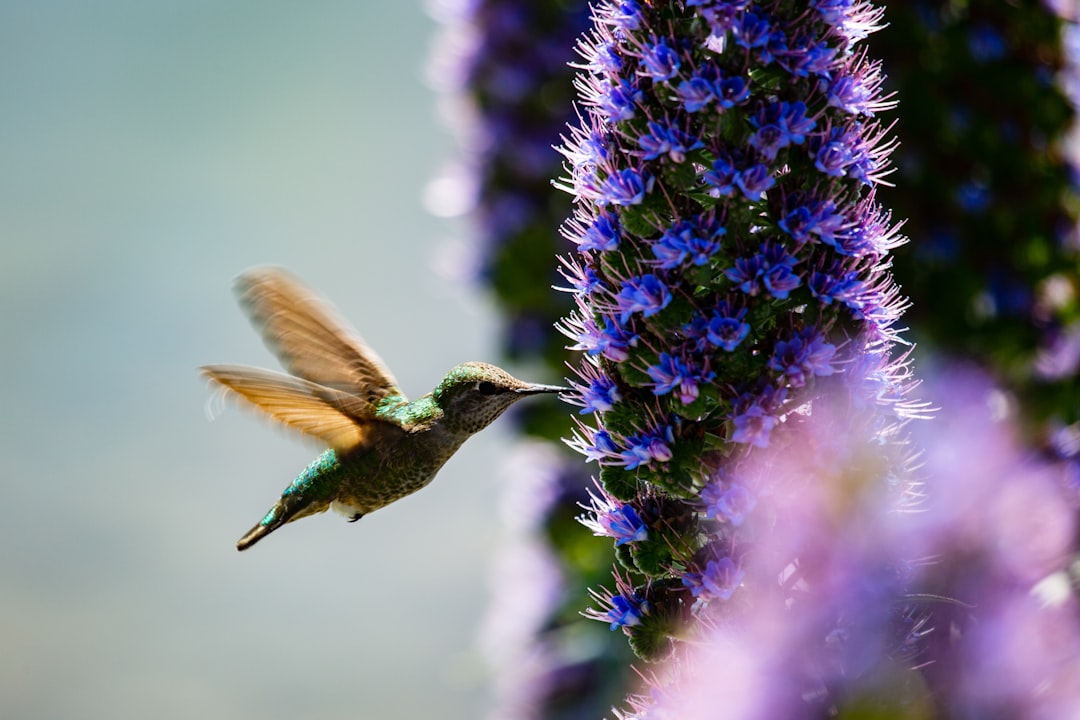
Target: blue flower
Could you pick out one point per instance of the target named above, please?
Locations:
(671, 373)
(721, 179)
(626, 611)
(602, 447)
(647, 448)
(753, 426)
(726, 329)
(607, 58)
(611, 518)
(697, 92)
(662, 140)
(745, 273)
(620, 101)
(728, 502)
(754, 181)
(719, 580)
(627, 15)
(600, 394)
(613, 341)
(732, 91)
(645, 294)
(806, 354)
(753, 31)
(625, 187)
(833, 12)
(659, 61)
(686, 239)
(602, 235)
(778, 125)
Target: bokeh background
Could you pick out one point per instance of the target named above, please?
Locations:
(149, 152)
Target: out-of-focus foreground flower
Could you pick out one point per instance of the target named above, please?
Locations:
(982, 592)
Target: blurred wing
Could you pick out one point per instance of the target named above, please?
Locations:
(343, 421)
(309, 338)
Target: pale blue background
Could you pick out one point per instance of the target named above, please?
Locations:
(150, 151)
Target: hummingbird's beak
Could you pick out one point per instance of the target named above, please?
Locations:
(538, 389)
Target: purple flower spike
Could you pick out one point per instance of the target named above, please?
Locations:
(729, 215)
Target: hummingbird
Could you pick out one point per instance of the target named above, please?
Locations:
(382, 446)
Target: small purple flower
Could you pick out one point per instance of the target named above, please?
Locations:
(745, 273)
(803, 61)
(798, 223)
(671, 373)
(602, 447)
(721, 179)
(696, 93)
(728, 502)
(778, 125)
(602, 235)
(834, 283)
(687, 239)
(779, 278)
(607, 59)
(834, 12)
(611, 518)
(619, 101)
(626, 16)
(647, 448)
(754, 181)
(626, 611)
(792, 119)
(850, 95)
(753, 31)
(726, 329)
(719, 580)
(600, 395)
(753, 426)
(768, 141)
(646, 294)
(834, 154)
(659, 61)
(612, 341)
(625, 187)
(806, 354)
(732, 91)
(773, 265)
(662, 140)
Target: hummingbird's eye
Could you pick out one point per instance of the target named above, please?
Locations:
(487, 388)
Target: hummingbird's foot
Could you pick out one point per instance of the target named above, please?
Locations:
(356, 517)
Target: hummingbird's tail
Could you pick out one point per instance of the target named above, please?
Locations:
(291, 506)
(256, 534)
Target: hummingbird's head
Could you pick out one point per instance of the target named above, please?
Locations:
(473, 394)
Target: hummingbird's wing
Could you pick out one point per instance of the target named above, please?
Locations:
(309, 337)
(343, 421)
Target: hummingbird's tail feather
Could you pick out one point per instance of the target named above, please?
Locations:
(291, 506)
(254, 535)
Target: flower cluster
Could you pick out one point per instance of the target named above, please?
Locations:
(730, 269)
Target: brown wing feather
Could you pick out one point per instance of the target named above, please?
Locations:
(309, 337)
(343, 421)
